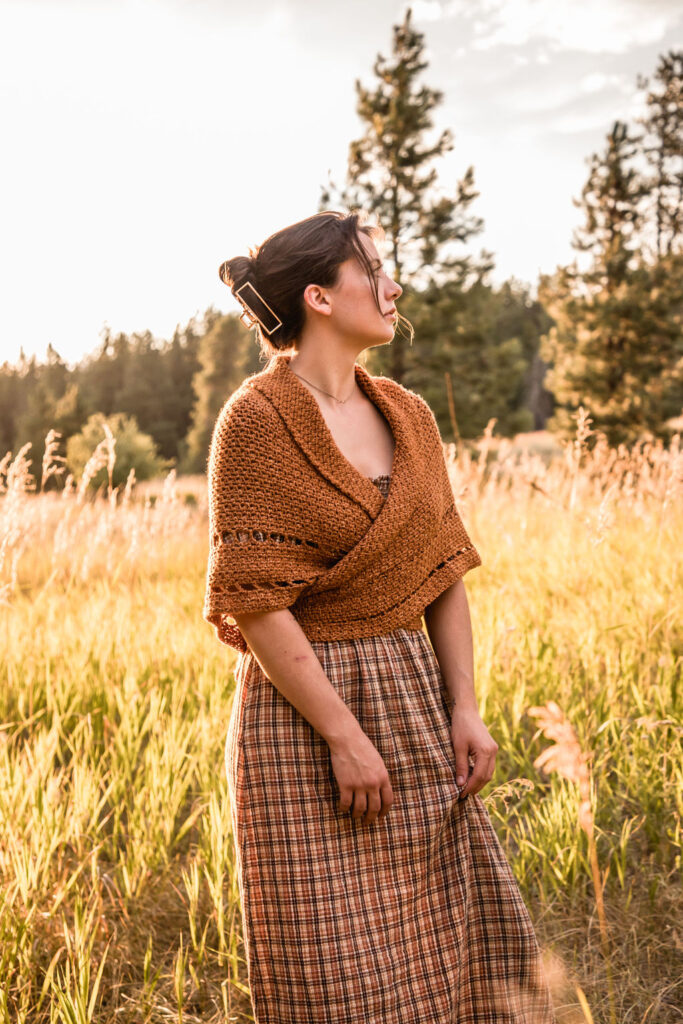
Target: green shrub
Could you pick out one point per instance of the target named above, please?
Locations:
(132, 450)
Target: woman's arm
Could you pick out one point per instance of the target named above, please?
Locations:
(450, 631)
(284, 652)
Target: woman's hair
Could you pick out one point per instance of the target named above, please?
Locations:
(307, 252)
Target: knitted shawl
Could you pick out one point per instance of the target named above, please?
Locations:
(293, 524)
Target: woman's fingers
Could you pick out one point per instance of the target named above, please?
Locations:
(371, 805)
(374, 806)
(472, 742)
(467, 785)
(387, 795)
(360, 803)
(345, 798)
(481, 774)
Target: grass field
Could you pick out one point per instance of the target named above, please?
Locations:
(117, 891)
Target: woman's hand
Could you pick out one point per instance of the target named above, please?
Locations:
(472, 740)
(362, 777)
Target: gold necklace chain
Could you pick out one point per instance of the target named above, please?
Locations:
(340, 400)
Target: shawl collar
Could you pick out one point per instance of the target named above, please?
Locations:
(306, 423)
(318, 538)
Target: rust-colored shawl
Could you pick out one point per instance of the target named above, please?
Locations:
(293, 524)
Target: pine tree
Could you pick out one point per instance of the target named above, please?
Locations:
(487, 341)
(182, 358)
(611, 201)
(227, 354)
(663, 149)
(145, 389)
(390, 174)
(603, 350)
(43, 385)
(102, 373)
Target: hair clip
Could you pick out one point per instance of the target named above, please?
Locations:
(249, 317)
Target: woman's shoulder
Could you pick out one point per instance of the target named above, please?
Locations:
(246, 404)
(245, 431)
(410, 400)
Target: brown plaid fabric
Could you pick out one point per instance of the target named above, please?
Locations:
(416, 919)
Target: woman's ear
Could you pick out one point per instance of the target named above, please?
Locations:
(317, 299)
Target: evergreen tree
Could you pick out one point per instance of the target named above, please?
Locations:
(55, 374)
(487, 342)
(8, 395)
(227, 354)
(662, 297)
(616, 335)
(145, 391)
(518, 316)
(663, 149)
(611, 202)
(102, 374)
(390, 174)
(34, 412)
(70, 412)
(183, 363)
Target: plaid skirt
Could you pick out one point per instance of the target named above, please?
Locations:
(415, 919)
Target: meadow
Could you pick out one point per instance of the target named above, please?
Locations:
(118, 898)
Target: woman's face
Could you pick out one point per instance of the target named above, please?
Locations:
(353, 310)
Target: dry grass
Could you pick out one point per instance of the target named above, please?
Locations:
(117, 884)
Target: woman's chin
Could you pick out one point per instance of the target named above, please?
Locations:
(376, 342)
(383, 337)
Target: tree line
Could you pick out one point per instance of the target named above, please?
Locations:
(604, 332)
(173, 390)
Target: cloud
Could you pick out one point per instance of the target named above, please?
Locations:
(427, 10)
(597, 81)
(607, 26)
(579, 122)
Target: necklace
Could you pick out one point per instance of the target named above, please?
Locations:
(340, 400)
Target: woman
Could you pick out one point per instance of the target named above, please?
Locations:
(373, 886)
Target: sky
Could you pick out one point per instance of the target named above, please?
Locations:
(145, 141)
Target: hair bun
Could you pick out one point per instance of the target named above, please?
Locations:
(235, 272)
(224, 271)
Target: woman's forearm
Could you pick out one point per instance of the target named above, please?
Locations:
(284, 652)
(450, 630)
